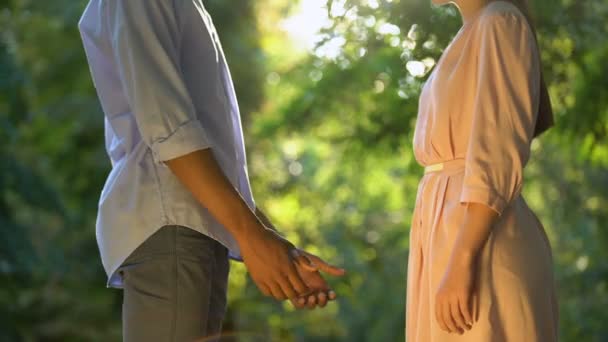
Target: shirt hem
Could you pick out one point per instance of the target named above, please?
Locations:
(114, 279)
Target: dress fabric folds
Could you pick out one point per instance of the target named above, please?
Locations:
(477, 114)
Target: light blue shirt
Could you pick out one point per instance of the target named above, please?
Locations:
(165, 89)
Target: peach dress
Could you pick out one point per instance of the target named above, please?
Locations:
(476, 122)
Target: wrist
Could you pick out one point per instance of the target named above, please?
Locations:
(464, 256)
(249, 230)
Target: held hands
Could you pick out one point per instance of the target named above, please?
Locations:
(283, 272)
(309, 266)
(271, 264)
(266, 254)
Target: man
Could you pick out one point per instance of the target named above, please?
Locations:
(178, 200)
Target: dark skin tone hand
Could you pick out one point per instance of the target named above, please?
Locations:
(269, 258)
(309, 267)
(309, 270)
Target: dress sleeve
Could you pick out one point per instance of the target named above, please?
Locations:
(504, 111)
(145, 38)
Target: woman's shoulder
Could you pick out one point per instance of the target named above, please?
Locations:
(502, 19)
(501, 11)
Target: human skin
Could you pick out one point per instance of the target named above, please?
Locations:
(309, 271)
(457, 293)
(278, 269)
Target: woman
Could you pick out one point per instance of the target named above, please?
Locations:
(480, 265)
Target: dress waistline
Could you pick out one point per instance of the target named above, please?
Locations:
(454, 164)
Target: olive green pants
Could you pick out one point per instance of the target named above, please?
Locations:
(175, 288)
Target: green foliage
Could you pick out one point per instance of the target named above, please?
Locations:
(329, 142)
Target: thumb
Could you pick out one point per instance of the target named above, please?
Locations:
(323, 266)
(303, 260)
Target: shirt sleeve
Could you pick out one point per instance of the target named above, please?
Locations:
(504, 112)
(145, 38)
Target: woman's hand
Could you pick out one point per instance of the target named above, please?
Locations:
(457, 295)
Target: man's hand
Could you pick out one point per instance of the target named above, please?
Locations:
(266, 254)
(308, 267)
(272, 265)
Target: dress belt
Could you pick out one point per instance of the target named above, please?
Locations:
(454, 164)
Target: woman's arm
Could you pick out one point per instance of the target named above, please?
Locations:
(504, 113)
(475, 229)
(456, 297)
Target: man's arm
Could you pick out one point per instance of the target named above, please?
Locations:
(144, 35)
(268, 256)
(265, 220)
(201, 174)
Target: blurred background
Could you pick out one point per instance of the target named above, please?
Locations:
(328, 91)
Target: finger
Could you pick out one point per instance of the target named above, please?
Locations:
(277, 293)
(298, 303)
(332, 295)
(465, 308)
(287, 288)
(296, 281)
(447, 317)
(439, 315)
(312, 301)
(264, 289)
(303, 261)
(457, 316)
(306, 264)
(322, 299)
(324, 266)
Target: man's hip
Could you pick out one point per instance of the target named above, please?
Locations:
(175, 287)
